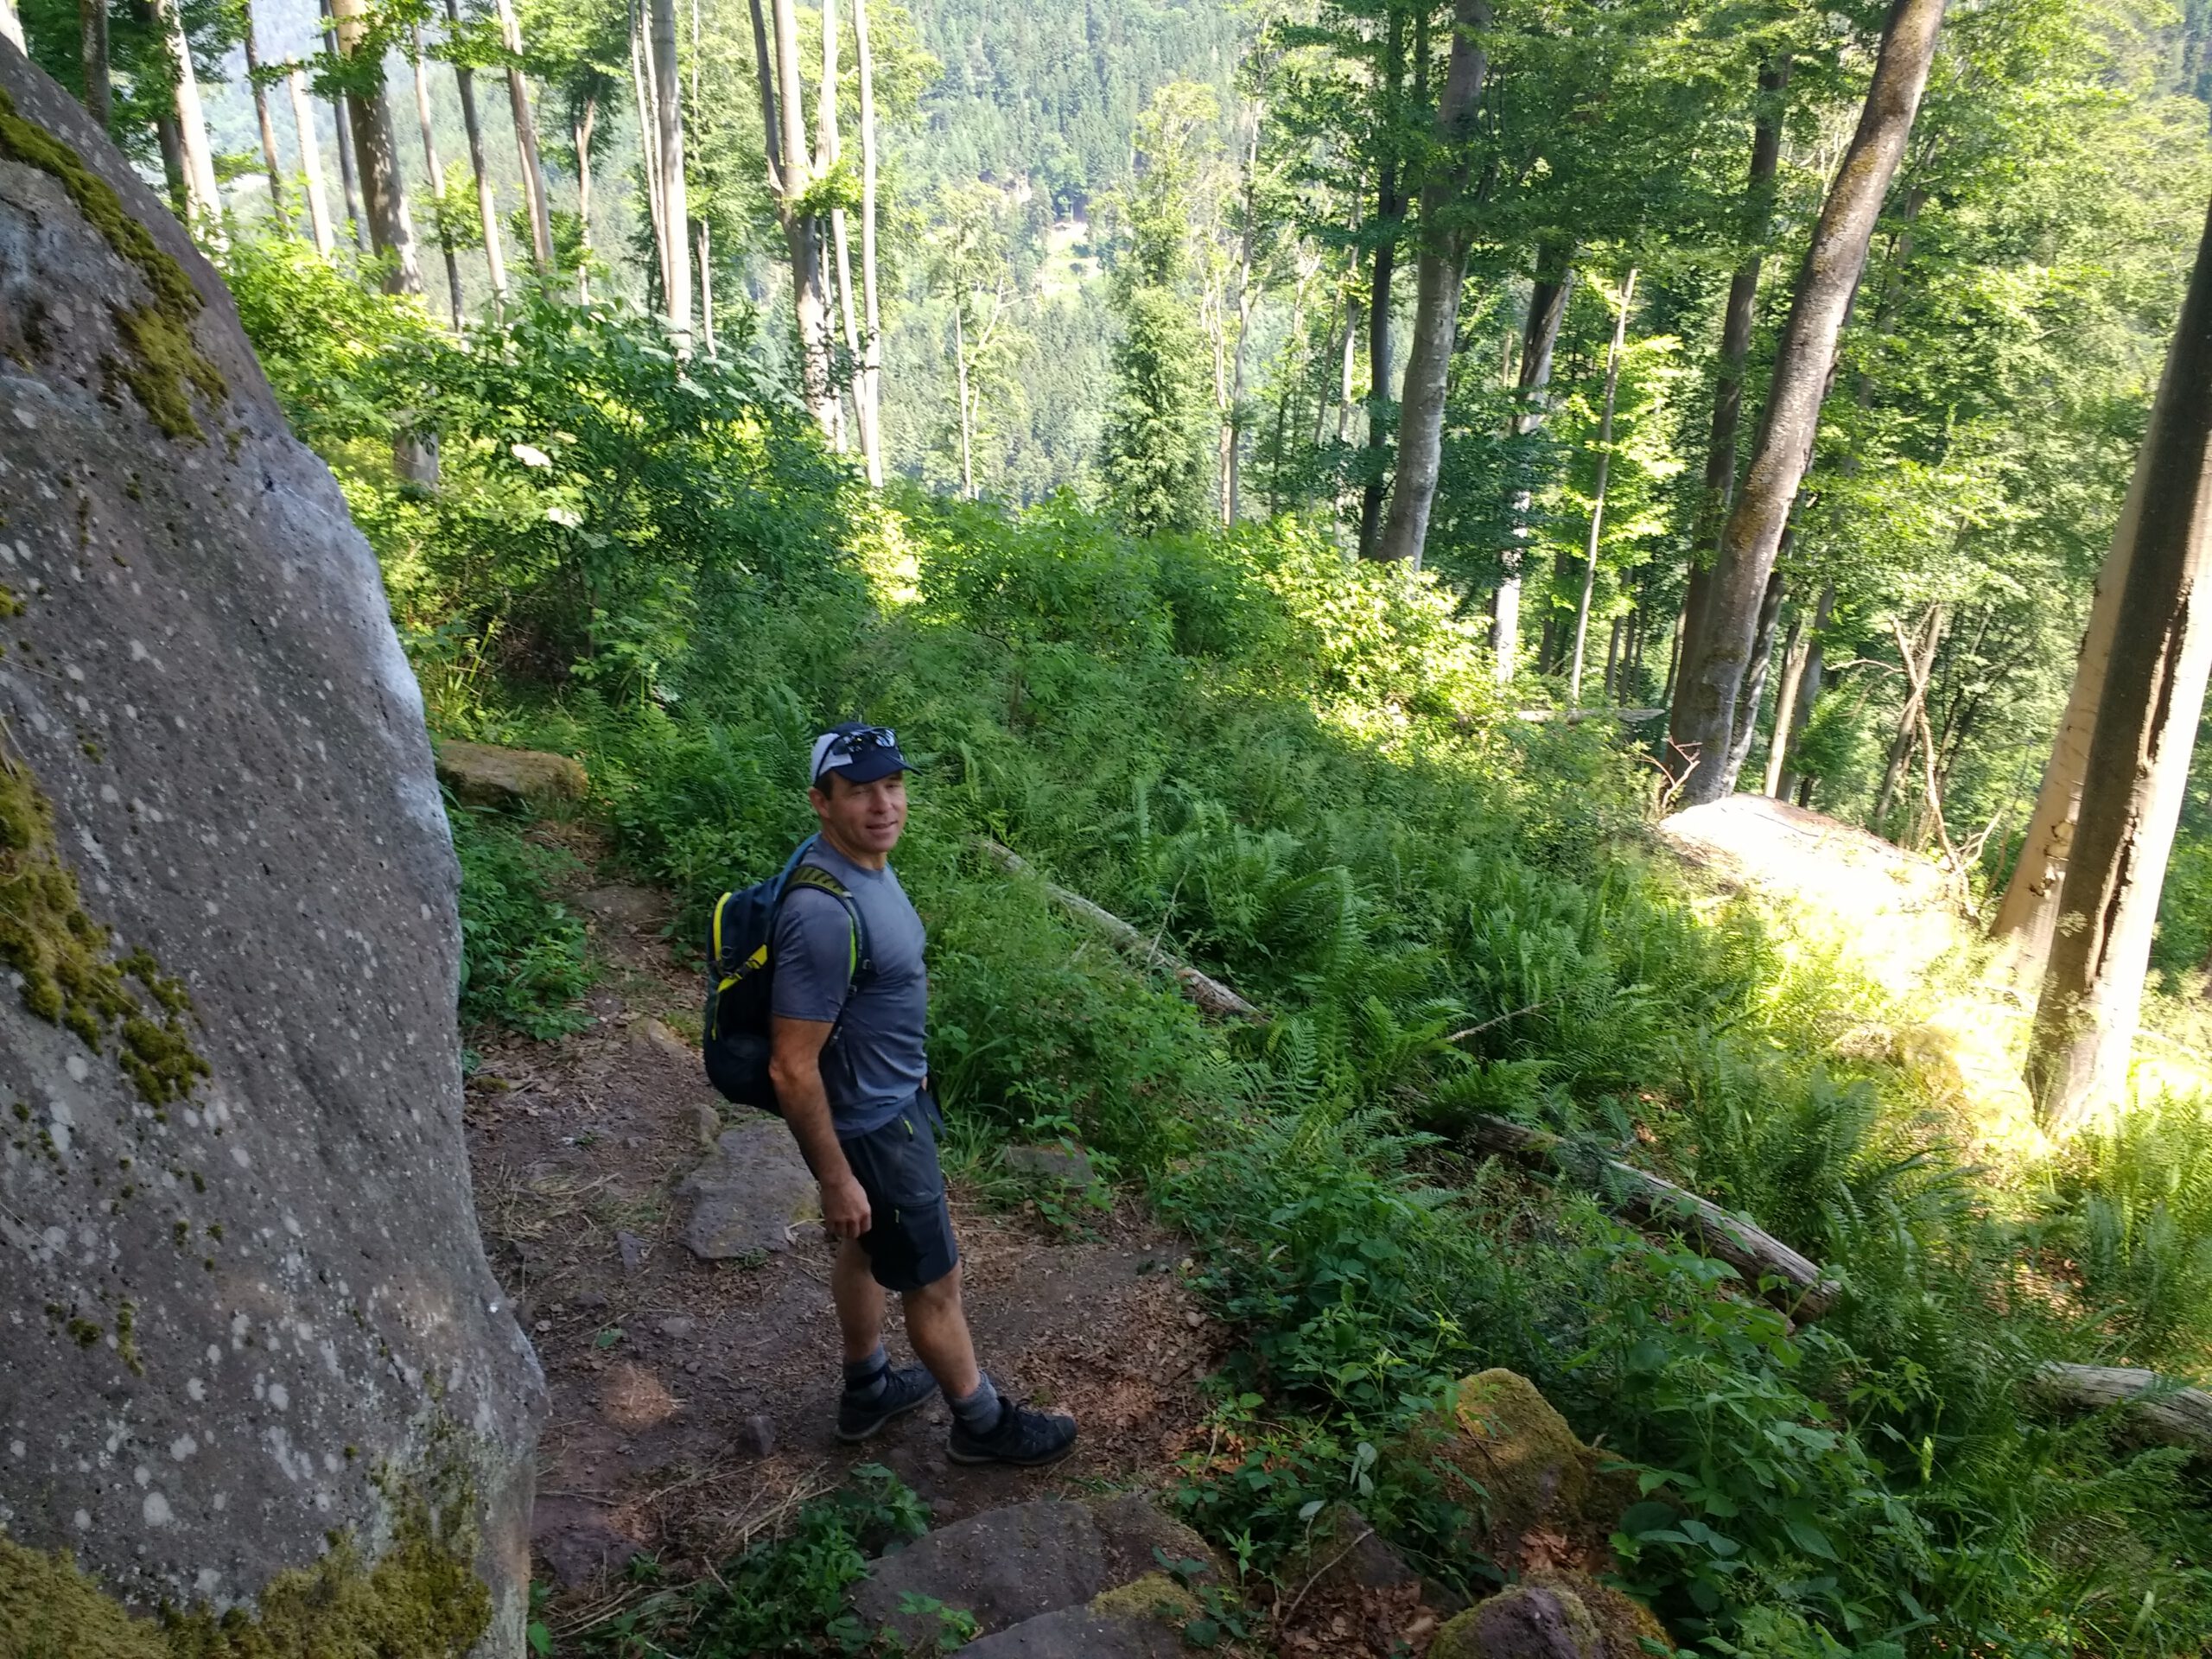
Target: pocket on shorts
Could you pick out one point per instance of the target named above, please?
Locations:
(915, 1177)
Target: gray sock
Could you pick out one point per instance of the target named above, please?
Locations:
(866, 1378)
(979, 1413)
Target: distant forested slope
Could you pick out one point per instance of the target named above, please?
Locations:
(1052, 91)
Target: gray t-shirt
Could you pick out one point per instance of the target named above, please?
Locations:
(877, 1060)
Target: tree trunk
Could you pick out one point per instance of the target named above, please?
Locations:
(1547, 298)
(1597, 502)
(1809, 692)
(383, 193)
(1232, 436)
(533, 174)
(1613, 663)
(436, 172)
(11, 28)
(707, 289)
(645, 91)
(668, 101)
(1916, 672)
(1442, 272)
(1745, 726)
(486, 208)
(2029, 910)
(311, 164)
(1785, 701)
(203, 198)
(829, 146)
(1702, 736)
(92, 40)
(960, 386)
(2147, 712)
(1389, 216)
(274, 168)
(872, 348)
(357, 218)
(802, 231)
(587, 125)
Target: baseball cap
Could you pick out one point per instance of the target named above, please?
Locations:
(859, 754)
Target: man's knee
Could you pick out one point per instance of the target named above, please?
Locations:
(940, 1295)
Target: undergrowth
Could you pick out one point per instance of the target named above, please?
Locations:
(523, 961)
(1298, 772)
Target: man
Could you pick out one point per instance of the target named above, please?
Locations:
(848, 1010)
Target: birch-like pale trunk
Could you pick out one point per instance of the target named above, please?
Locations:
(1597, 500)
(92, 46)
(1810, 683)
(1547, 298)
(11, 28)
(533, 173)
(960, 388)
(872, 348)
(1389, 213)
(644, 90)
(274, 167)
(707, 289)
(829, 146)
(1796, 649)
(1702, 747)
(434, 170)
(376, 151)
(668, 111)
(487, 207)
(203, 197)
(356, 216)
(581, 136)
(1445, 238)
(802, 230)
(311, 164)
(2139, 747)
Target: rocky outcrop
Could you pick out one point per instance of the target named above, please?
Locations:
(1553, 1615)
(752, 1195)
(1045, 1578)
(254, 1358)
(483, 775)
(1524, 1473)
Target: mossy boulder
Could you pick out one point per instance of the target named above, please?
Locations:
(1520, 1468)
(1550, 1615)
(257, 1371)
(484, 774)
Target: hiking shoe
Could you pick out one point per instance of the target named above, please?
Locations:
(904, 1387)
(1023, 1438)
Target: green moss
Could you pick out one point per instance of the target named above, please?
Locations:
(83, 1331)
(421, 1600)
(62, 954)
(126, 1338)
(163, 360)
(9, 605)
(1154, 1596)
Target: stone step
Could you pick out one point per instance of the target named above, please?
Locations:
(1011, 1567)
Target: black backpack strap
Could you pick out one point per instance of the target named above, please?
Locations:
(862, 965)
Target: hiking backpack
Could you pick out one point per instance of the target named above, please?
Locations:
(741, 973)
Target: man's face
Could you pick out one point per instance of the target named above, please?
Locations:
(869, 817)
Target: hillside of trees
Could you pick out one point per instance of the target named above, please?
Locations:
(1322, 479)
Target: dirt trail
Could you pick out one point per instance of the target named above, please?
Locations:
(692, 1400)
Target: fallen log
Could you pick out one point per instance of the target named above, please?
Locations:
(2157, 1407)
(1804, 1291)
(1210, 993)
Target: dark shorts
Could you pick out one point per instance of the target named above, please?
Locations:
(909, 1241)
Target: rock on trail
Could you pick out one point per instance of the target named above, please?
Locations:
(245, 1304)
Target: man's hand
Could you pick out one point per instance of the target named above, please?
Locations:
(845, 1211)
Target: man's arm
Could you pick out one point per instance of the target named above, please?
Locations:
(795, 1067)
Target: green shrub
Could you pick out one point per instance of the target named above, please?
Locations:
(522, 955)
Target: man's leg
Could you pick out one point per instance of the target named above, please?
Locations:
(938, 1326)
(860, 1302)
